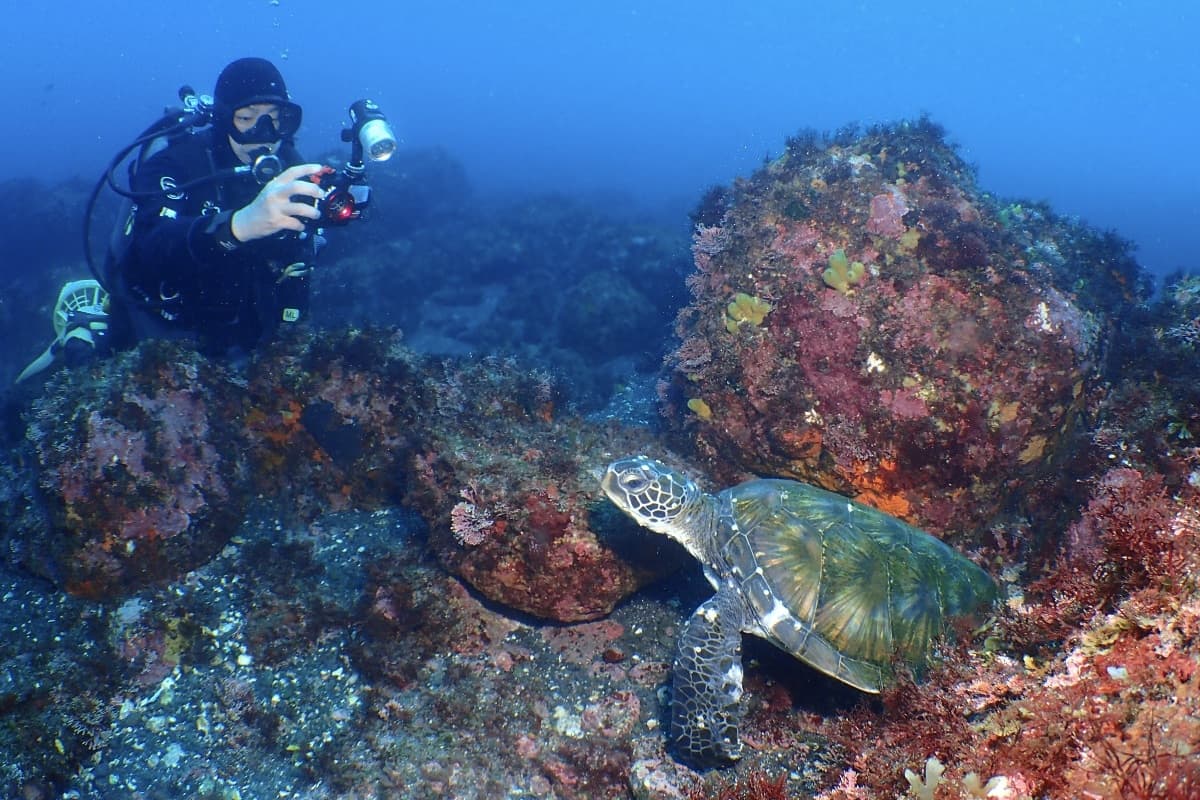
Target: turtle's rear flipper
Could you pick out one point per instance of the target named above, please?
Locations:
(706, 698)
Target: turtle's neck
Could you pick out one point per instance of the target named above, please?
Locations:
(701, 523)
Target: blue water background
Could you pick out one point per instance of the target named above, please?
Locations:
(1092, 106)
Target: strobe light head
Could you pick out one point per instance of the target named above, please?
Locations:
(369, 128)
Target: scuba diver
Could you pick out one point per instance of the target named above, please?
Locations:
(222, 223)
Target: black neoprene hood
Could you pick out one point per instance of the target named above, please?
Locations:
(247, 81)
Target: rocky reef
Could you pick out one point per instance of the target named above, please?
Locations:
(328, 419)
(373, 561)
(147, 463)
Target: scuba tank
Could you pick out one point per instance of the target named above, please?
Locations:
(194, 114)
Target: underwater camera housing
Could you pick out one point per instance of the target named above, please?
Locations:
(348, 194)
(344, 200)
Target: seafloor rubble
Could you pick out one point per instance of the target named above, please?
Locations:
(349, 569)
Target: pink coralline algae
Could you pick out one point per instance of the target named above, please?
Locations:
(796, 242)
(887, 213)
(1098, 694)
(927, 348)
(141, 468)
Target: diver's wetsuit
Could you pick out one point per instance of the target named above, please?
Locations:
(184, 274)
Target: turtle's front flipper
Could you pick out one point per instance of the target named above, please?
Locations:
(706, 698)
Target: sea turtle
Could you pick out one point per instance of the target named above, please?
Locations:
(838, 584)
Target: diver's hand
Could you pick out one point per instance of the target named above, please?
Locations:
(274, 210)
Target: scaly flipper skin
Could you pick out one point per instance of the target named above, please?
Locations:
(706, 697)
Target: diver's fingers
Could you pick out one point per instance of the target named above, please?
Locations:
(294, 209)
(298, 172)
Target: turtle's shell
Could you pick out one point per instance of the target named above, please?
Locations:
(840, 585)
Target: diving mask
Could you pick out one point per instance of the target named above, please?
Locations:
(270, 126)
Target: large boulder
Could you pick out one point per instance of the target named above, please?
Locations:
(866, 319)
(509, 486)
(141, 470)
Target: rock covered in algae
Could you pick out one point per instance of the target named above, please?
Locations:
(928, 347)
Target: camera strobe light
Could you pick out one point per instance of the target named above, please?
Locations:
(371, 128)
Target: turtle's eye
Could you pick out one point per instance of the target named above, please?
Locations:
(634, 482)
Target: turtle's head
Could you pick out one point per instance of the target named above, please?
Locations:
(656, 496)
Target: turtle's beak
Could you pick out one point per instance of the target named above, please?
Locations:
(597, 475)
(608, 482)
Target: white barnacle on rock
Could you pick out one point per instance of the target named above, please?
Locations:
(567, 723)
(1041, 318)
